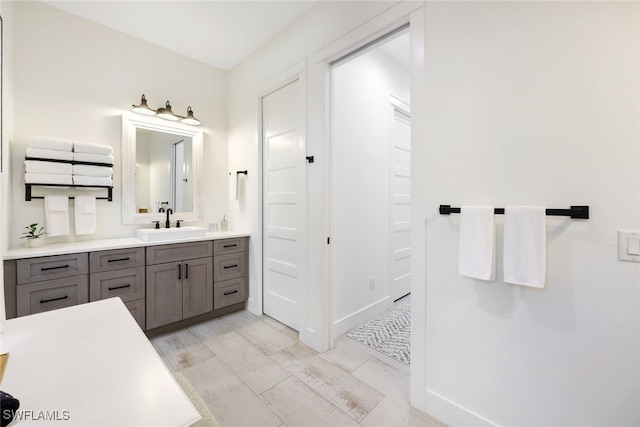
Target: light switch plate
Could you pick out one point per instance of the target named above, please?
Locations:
(627, 245)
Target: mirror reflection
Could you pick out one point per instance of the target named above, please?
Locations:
(163, 171)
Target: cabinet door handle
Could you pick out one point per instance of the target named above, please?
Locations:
(119, 287)
(42, 301)
(58, 267)
(119, 259)
(179, 271)
(230, 293)
(230, 266)
(186, 271)
(230, 246)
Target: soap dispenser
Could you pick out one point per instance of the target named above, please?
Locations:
(224, 224)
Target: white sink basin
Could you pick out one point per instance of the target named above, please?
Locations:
(157, 235)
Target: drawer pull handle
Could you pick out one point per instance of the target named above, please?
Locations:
(230, 246)
(230, 266)
(119, 259)
(42, 301)
(230, 293)
(186, 271)
(119, 287)
(179, 271)
(54, 268)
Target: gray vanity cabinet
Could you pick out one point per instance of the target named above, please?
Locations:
(120, 273)
(52, 282)
(179, 282)
(229, 272)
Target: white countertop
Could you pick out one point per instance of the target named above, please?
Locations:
(106, 244)
(90, 365)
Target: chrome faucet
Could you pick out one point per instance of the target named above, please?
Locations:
(167, 224)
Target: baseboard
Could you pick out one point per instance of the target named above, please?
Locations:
(452, 414)
(344, 325)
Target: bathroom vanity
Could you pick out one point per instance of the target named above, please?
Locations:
(164, 285)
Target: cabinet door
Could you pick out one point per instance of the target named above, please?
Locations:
(164, 294)
(136, 308)
(197, 293)
(230, 266)
(128, 284)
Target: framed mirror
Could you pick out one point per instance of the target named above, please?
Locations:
(161, 169)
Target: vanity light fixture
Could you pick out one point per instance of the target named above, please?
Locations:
(165, 113)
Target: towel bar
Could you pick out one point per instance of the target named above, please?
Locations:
(575, 212)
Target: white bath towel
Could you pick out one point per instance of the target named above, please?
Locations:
(104, 181)
(85, 214)
(56, 214)
(233, 185)
(90, 148)
(90, 170)
(35, 166)
(525, 245)
(41, 153)
(477, 242)
(47, 178)
(93, 158)
(57, 144)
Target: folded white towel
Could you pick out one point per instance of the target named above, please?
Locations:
(35, 166)
(477, 242)
(47, 178)
(104, 181)
(90, 148)
(41, 153)
(90, 170)
(56, 214)
(58, 144)
(93, 158)
(85, 214)
(525, 245)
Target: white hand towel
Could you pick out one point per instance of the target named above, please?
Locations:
(35, 166)
(47, 178)
(85, 214)
(104, 181)
(233, 186)
(93, 158)
(477, 242)
(58, 144)
(525, 245)
(56, 215)
(90, 148)
(41, 153)
(90, 170)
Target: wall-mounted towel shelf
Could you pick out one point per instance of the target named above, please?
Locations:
(28, 197)
(575, 212)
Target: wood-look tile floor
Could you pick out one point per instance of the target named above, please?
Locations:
(252, 371)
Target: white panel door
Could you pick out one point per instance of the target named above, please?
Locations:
(400, 187)
(283, 193)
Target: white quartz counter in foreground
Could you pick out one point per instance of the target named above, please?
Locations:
(106, 244)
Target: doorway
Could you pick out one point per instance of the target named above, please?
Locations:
(370, 180)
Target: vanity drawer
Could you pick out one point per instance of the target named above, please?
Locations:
(127, 284)
(227, 246)
(178, 252)
(116, 259)
(229, 266)
(137, 310)
(51, 267)
(51, 294)
(229, 292)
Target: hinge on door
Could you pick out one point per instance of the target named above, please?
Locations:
(309, 159)
(328, 240)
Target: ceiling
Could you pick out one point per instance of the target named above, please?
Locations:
(217, 32)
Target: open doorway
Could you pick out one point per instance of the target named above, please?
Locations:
(370, 181)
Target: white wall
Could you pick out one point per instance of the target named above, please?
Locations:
(360, 147)
(74, 79)
(535, 103)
